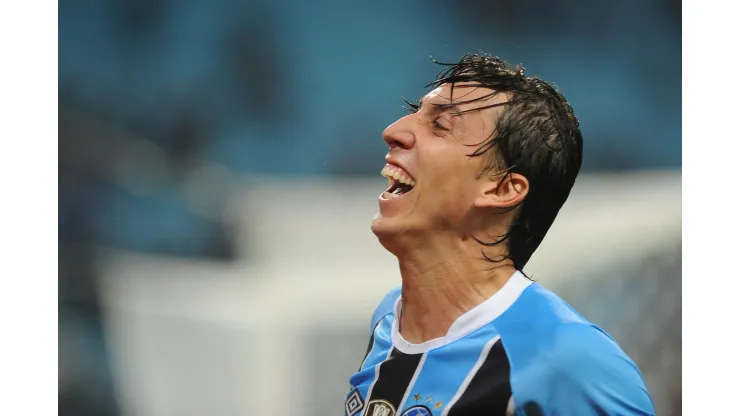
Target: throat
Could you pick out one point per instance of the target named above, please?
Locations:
(428, 314)
(431, 305)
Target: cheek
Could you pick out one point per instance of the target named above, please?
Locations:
(450, 189)
(449, 177)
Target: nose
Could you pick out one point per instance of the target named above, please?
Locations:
(399, 134)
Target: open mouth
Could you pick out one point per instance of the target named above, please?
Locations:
(399, 182)
(398, 188)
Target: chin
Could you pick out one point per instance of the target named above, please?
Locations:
(386, 229)
(391, 232)
(382, 226)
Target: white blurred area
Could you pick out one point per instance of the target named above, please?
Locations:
(280, 332)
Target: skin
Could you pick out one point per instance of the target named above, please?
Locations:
(430, 229)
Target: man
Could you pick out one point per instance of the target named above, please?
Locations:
(477, 174)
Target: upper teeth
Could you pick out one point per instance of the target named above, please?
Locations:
(397, 174)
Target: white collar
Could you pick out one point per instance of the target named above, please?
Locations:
(468, 322)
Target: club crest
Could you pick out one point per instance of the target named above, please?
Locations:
(380, 408)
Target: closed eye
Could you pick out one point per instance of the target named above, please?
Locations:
(439, 126)
(415, 108)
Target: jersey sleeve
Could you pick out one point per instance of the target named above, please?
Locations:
(385, 307)
(586, 373)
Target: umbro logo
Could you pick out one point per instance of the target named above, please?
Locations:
(354, 403)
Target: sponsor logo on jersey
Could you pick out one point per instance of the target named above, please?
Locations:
(354, 403)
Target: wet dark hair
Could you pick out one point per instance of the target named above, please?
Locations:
(537, 136)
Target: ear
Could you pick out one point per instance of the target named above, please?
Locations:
(502, 191)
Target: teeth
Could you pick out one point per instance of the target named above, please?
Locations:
(397, 175)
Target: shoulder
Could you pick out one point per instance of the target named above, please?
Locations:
(537, 315)
(588, 371)
(541, 318)
(385, 306)
(562, 362)
(582, 352)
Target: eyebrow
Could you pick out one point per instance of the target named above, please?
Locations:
(438, 108)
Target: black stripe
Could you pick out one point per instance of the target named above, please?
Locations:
(394, 377)
(489, 391)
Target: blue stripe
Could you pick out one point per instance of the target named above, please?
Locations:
(378, 353)
(385, 307)
(445, 369)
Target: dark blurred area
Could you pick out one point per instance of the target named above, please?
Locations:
(164, 106)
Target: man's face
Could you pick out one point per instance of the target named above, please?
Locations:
(429, 150)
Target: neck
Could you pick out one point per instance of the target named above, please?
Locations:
(443, 281)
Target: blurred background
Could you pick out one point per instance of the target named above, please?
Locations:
(219, 167)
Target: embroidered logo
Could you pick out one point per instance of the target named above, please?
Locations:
(380, 408)
(354, 403)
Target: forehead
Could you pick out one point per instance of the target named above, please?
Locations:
(466, 96)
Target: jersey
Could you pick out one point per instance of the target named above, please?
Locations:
(524, 351)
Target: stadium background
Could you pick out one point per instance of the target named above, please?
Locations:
(219, 165)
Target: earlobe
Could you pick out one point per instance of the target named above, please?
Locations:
(504, 191)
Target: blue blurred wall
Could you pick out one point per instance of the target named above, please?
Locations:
(296, 87)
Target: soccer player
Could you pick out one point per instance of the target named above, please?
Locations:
(477, 173)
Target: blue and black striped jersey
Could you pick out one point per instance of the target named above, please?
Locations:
(524, 351)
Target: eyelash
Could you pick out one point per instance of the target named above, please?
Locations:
(412, 108)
